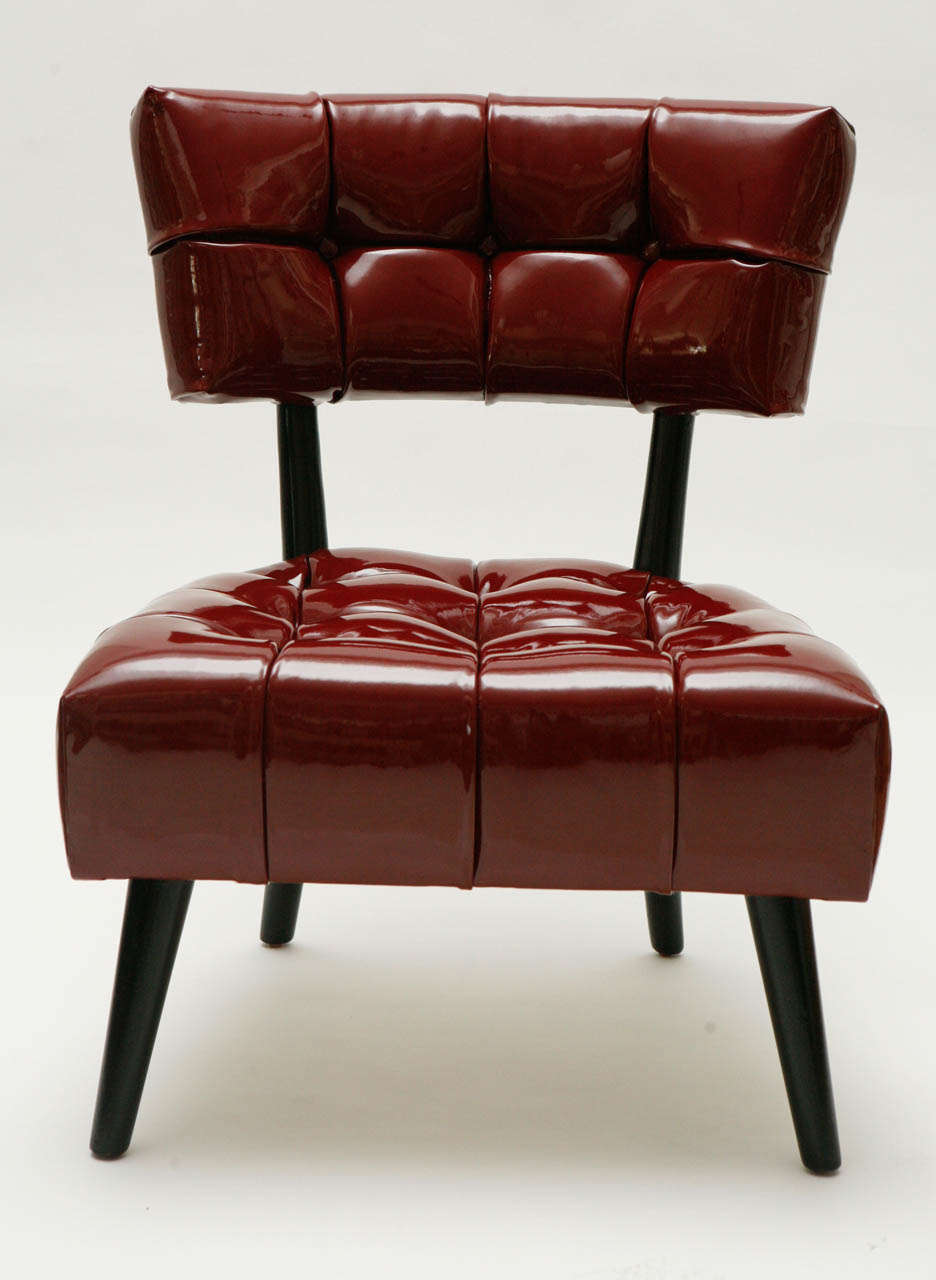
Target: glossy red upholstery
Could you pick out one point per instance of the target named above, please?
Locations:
(161, 731)
(385, 717)
(371, 724)
(578, 733)
(308, 248)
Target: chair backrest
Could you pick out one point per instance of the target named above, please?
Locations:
(670, 254)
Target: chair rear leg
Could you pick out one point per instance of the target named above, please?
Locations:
(664, 916)
(783, 935)
(152, 925)
(280, 913)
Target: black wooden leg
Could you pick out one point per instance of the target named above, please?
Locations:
(664, 916)
(152, 925)
(783, 936)
(280, 913)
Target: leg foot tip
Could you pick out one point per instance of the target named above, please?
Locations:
(668, 942)
(823, 1168)
(104, 1151)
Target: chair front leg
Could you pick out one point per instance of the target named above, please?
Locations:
(280, 913)
(783, 935)
(152, 925)
(664, 916)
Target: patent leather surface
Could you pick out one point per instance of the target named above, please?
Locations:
(568, 175)
(372, 736)
(756, 323)
(582, 304)
(760, 178)
(385, 717)
(414, 321)
(784, 752)
(218, 162)
(407, 169)
(295, 342)
(455, 245)
(577, 730)
(161, 732)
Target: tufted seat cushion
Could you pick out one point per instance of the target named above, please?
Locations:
(386, 717)
(670, 254)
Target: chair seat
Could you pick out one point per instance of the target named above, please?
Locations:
(390, 718)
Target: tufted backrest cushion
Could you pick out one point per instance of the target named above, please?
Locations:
(670, 254)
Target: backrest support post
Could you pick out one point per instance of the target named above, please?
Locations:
(302, 494)
(660, 535)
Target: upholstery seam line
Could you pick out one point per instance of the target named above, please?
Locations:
(700, 253)
(314, 244)
(677, 745)
(232, 236)
(476, 853)
(243, 235)
(628, 325)
(488, 290)
(342, 337)
(677, 736)
(329, 263)
(279, 650)
(222, 236)
(648, 233)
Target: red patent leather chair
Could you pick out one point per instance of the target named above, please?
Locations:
(386, 717)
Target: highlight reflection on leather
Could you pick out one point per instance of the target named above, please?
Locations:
(568, 174)
(216, 162)
(731, 312)
(400, 161)
(577, 730)
(371, 737)
(296, 340)
(161, 732)
(784, 751)
(582, 304)
(387, 717)
(376, 245)
(763, 178)
(414, 320)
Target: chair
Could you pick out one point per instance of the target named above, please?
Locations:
(385, 717)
